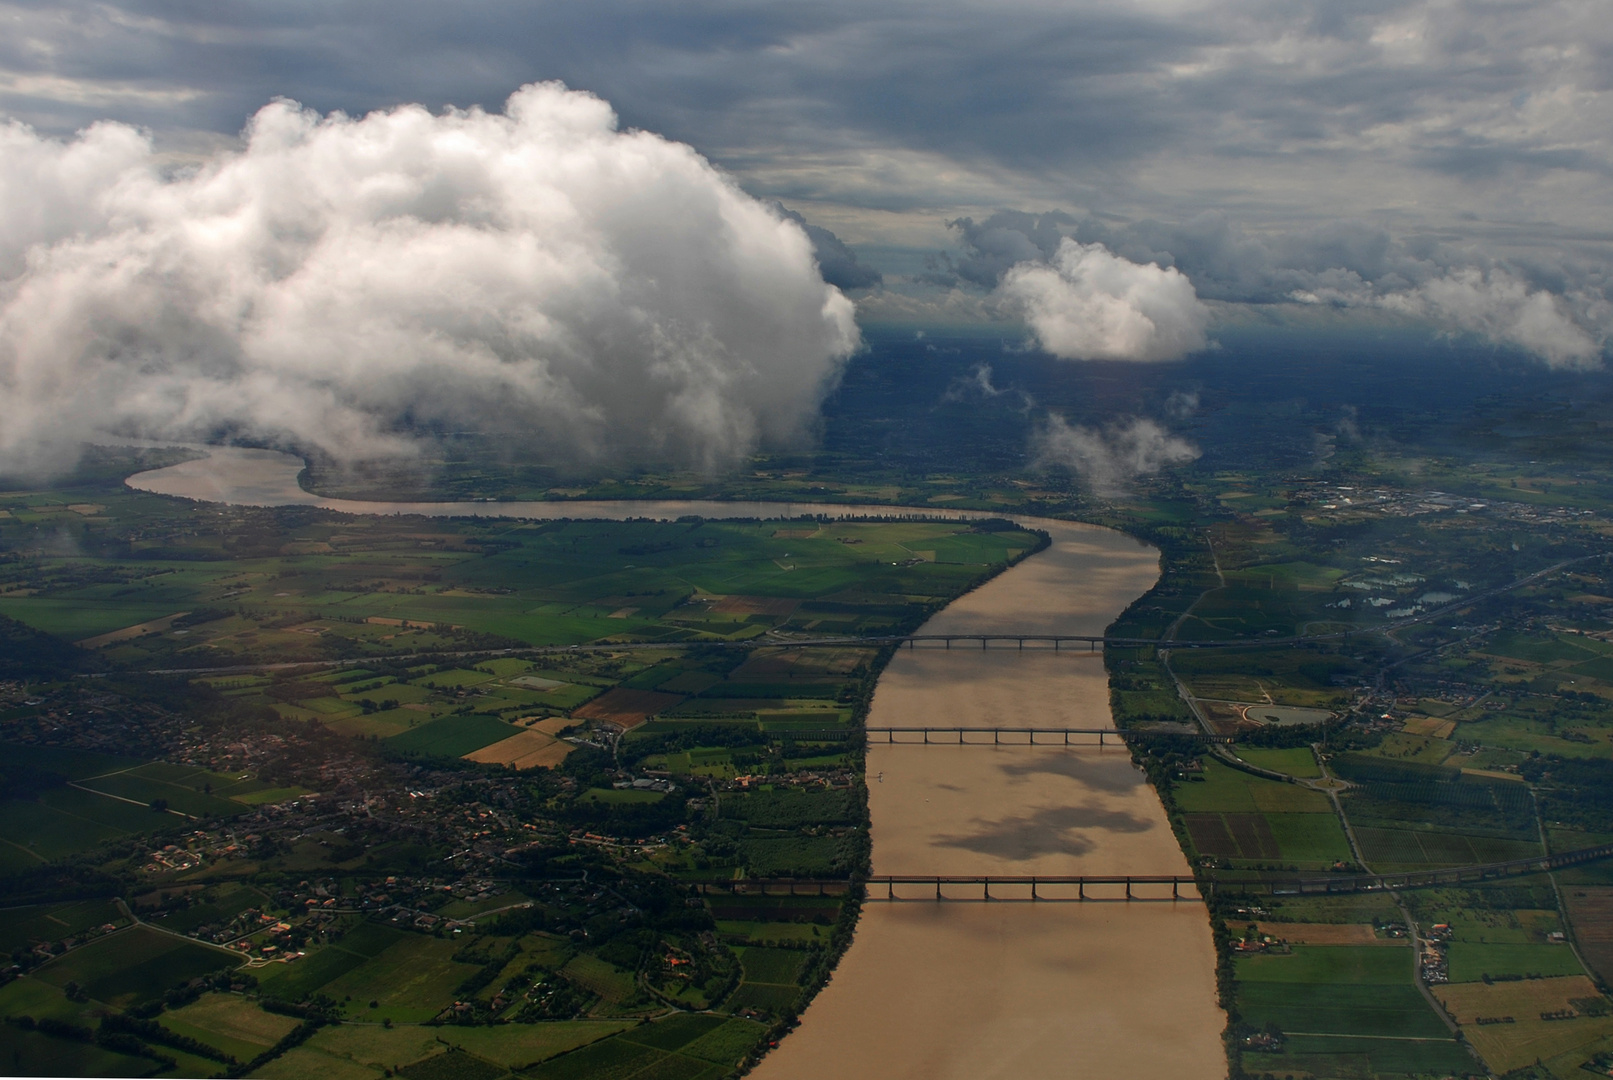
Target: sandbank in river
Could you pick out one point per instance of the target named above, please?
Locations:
(960, 990)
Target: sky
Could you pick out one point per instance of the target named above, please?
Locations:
(1119, 178)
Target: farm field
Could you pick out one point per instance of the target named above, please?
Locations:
(33, 1053)
(1361, 996)
(1299, 761)
(24, 927)
(1590, 910)
(134, 965)
(1248, 819)
(230, 1022)
(1390, 850)
(413, 980)
(1503, 1020)
(1473, 961)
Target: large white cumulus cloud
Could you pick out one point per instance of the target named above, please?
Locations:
(1090, 304)
(340, 283)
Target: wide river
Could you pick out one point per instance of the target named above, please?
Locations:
(959, 990)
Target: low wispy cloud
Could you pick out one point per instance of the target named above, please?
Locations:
(597, 295)
(1503, 309)
(1108, 459)
(1089, 304)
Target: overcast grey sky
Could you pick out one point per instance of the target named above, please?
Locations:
(1442, 160)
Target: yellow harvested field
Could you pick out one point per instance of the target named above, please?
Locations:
(1430, 726)
(1328, 934)
(552, 725)
(1493, 774)
(155, 626)
(755, 605)
(529, 749)
(1507, 1046)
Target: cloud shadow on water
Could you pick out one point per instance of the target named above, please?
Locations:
(1112, 775)
(1053, 830)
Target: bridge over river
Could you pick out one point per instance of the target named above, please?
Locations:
(1054, 888)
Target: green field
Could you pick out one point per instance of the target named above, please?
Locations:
(1298, 762)
(28, 996)
(1471, 961)
(1331, 965)
(1406, 849)
(22, 927)
(1310, 838)
(1363, 997)
(145, 789)
(1397, 1010)
(303, 1061)
(231, 1023)
(680, 1047)
(600, 977)
(134, 965)
(452, 736)
(31, 1053)
(520, 1045)
(1226, 789)
(1344, 1056)
(75, 619)
(357, 947)
(413, 980)
(762, 965)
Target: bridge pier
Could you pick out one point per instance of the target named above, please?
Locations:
(1033, 890)
(1128, 888)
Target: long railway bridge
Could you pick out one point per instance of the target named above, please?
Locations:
(1057, 642)
(1027, 736)
(1082, 888)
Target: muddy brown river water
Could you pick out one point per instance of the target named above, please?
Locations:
(935, 991)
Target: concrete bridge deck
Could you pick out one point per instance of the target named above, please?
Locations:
(1028, 736)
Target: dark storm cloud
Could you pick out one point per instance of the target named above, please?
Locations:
(1032, 87)
(837, 262)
